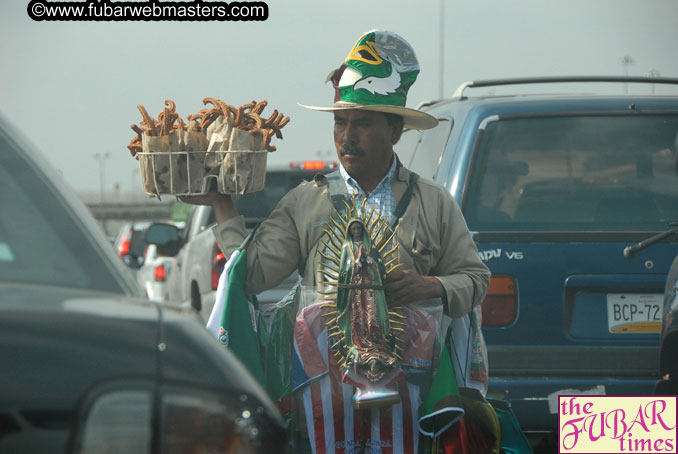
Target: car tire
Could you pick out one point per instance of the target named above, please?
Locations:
(196, 303)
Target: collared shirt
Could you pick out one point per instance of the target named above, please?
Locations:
(381, 198)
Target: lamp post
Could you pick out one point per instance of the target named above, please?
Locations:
(101, 157)
(135, 181)
(626, 61)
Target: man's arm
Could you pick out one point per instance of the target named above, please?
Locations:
(461, 272)
(459, 277)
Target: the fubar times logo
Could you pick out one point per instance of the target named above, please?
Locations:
(617, 424)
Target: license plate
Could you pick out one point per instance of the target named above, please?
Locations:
(634, 313)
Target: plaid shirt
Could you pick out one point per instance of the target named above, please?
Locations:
(381, 198)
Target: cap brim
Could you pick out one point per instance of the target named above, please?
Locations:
(413, 119)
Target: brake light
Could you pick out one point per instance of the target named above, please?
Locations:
(217, 266)
(123, 248)
(500, 307)
(159, 273)
(313, 165)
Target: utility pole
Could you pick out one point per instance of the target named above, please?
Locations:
(101, 157)
(441, 27)
(654, 74)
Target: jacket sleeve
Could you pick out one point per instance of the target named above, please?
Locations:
(274, 252)
(459, 268)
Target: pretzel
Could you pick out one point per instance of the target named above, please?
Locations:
(134, 146)
(209, 117)
(269, 121)
(138, 130)
(238, 116)
(150, 124)
(259, 107)
(247, 117)
(253, 121)
(266, 135)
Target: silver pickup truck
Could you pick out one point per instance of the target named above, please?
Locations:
(200, 262)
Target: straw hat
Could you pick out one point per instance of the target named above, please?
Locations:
(376, 76)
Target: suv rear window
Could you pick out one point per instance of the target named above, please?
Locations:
(575, 173)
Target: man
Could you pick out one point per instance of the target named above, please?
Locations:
(439, 257)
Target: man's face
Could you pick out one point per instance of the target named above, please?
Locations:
(364, 142)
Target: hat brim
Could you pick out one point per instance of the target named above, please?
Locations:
(412, 118)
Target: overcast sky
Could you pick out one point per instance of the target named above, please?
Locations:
(73, 87)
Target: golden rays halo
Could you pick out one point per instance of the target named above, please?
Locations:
(382, 238)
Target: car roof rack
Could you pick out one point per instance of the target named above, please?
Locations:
(459, 92)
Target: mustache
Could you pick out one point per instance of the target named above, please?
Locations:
(351, 149)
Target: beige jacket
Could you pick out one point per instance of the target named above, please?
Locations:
(434, 240)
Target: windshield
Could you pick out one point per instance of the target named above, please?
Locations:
(575, 173)
(40, 243)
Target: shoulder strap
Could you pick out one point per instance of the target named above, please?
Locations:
(337, 189)
(405, 199)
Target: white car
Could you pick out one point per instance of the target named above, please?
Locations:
(153, 274)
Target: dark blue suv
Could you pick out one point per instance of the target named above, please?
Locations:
(554, 187)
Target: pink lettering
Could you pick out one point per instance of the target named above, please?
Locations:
(570, 433)
(591, 420)
(656, 415)
(618, 425)
(639, 420)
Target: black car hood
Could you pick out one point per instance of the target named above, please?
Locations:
(55, 343)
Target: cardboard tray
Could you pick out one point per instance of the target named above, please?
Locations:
(184, 173)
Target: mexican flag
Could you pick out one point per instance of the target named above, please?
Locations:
(235, 319)
(442, 406)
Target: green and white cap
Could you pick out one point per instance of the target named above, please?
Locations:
(376, 76)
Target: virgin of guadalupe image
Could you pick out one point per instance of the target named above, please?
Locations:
(364, 329)
(361, 306)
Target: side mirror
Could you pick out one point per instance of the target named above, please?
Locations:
(163, 235)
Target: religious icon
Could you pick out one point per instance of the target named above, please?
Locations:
(360, 251)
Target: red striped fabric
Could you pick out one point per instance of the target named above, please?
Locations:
(386, 428)
(319, 425)
(333, 424)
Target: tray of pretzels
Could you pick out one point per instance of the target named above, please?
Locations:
(219, 146)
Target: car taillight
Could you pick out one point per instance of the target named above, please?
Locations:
(125, 242)
(159, 273)
(123, 248)
(500, 307)
(217, 266)
(193, 422)
(313, 165)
